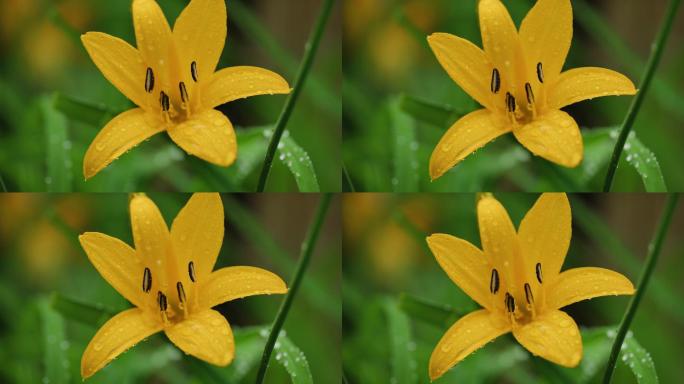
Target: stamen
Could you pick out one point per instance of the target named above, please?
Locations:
(496, 81)
(191, 271)
(510, 102)
(149, 80)
(183, 92)
(193, 71)
(529, 93)
(540, 72)
(510, 303)
(181, 292)
(538, 272)
(147, 280)
(494, 282)
(161, 300)
(528, 294)
(164, 101)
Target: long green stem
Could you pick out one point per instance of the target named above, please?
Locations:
(306, 252)
(653, 253)
(654, 59)
(310, 53)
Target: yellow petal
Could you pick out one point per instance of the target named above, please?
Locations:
(465, 63)
(155, 43)
(468, 334)
(500, 244)
(545, 36)
(118, 263)
(232, 283)
(199, 33)
(197, 233)
(120, 63)
(553, 136)
(502, 46)
(545, 234)
(468, 134)
(235, 83)
(465, 264)
(579, 284)
(151, 237)
(208, 135)
(205, 335)
(117, 335)
(121, 134)
(587, 83)
(553, 336)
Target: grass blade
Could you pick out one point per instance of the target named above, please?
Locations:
(438, 115)
(403, 363)
(654, 252)
(310, 53)
(94, 315)
(653, 61)
(55, 344)
(405, 148)
(58, 162)
(307, 250)
(645, 163)
(431, 313)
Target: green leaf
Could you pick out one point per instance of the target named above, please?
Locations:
(298, 162)
(93, 114)
(292, 358)
(252, 146)
(55, 344)
(402, 346)
(638, 360)
(94, 315)
(645, 163)
(405, 149)
(438, 115)
(431, 313)
(58, 162)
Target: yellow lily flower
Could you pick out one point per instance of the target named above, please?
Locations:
(171, 78)
(518, 81)
(516, 278)
(168, 278)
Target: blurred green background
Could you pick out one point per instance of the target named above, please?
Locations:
(53, 100)
(387, 267)
(41, 256)
(390, 74)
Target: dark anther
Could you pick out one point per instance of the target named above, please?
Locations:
(528, 294)
(540, 72)
(183, 91)
(191, 271)
(149, 80)
(538, 271)
(510, 102)
(494, 282)
(530, 94)
(181, 292)
(510, 303)
(147, 280)
(161, 300)
(496, 81)
(193, 71)
(164, 101)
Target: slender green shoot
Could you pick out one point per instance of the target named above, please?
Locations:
(306, 252)
(653, 61)
(347, 178)
(2, 184)
(653, 253)
(311, 48)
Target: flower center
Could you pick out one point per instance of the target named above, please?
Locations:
(174, 107)
(518, 305)
(521, 106)
(173, 306)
